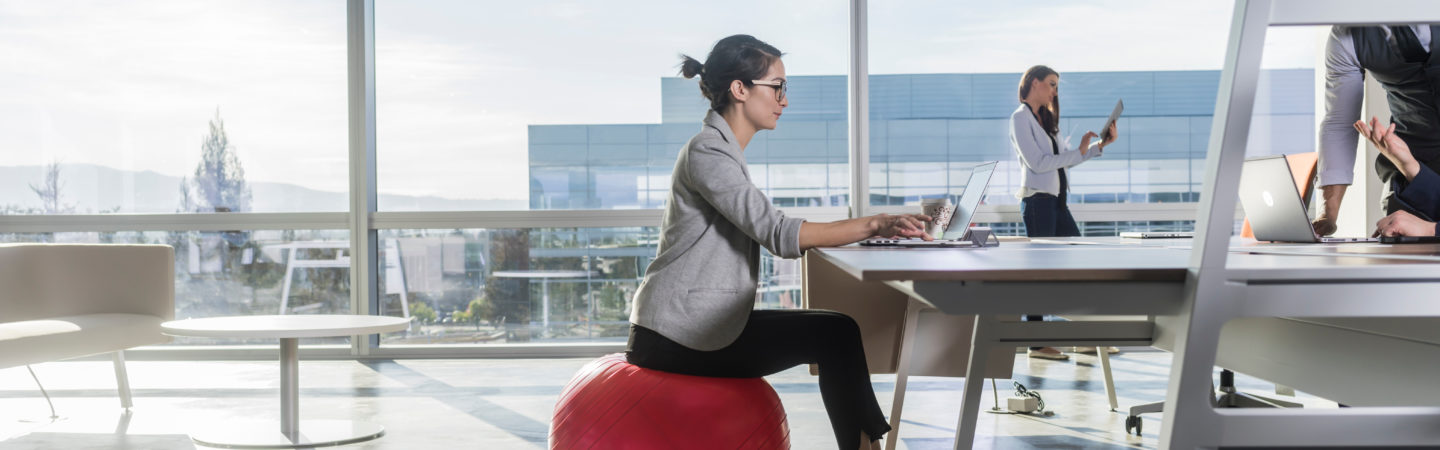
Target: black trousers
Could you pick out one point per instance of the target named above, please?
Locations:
(775, 340)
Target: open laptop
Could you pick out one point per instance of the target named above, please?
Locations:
(1273, 205)
(954, 234)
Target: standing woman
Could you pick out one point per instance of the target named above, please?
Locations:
(694, 312)
(1044, 184)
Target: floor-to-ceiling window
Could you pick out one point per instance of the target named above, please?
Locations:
(159, 118)
(945, 77)
(554, 113)
(523, 151)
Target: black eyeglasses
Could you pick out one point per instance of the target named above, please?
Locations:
(780, 87)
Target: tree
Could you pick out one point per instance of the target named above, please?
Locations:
(422, 312)
(218, 184)
(187, 204)
(460, 316)
(481, 309)
(49, 191)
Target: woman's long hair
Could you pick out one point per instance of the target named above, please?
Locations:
(1049, 117)
(739, 57)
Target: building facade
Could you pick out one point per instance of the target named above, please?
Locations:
(927, 131)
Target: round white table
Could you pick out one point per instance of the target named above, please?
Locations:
(289, 329)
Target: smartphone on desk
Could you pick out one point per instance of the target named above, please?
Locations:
(1410, 239)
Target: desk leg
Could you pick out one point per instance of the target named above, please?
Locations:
(290, 387)
(974, 381)
(902, 370)
(1109, 379)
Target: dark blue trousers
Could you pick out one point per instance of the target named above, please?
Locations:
(1046, 216)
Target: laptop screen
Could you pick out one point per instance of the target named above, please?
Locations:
(969, 201)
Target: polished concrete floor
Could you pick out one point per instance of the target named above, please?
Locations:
(506, 403)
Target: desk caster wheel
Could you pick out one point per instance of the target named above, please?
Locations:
(1133, 423)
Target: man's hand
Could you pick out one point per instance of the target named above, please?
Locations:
(1330, 197)
(1324, 226)
(1402, 223)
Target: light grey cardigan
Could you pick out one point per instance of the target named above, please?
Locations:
(1040, 167)
(701, 287)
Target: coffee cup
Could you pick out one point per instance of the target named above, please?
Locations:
(939, 210)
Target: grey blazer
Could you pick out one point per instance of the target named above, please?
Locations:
(701, 286)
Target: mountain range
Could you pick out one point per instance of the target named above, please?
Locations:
(93, 188)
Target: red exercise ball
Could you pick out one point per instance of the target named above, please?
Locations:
(612, 404)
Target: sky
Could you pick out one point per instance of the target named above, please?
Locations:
(132, 85)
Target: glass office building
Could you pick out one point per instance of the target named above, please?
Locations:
(927, 130)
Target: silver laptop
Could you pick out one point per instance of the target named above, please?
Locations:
(954, 234)
(1157, 234)
(1273, 205)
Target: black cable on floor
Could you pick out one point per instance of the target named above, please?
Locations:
(1021, 391)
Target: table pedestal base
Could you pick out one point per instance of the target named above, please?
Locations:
(313, 433)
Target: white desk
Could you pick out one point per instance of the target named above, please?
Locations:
(1020, 278)
(289, 329)
(1113, 278)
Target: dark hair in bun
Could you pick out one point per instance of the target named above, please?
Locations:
(739, 57)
